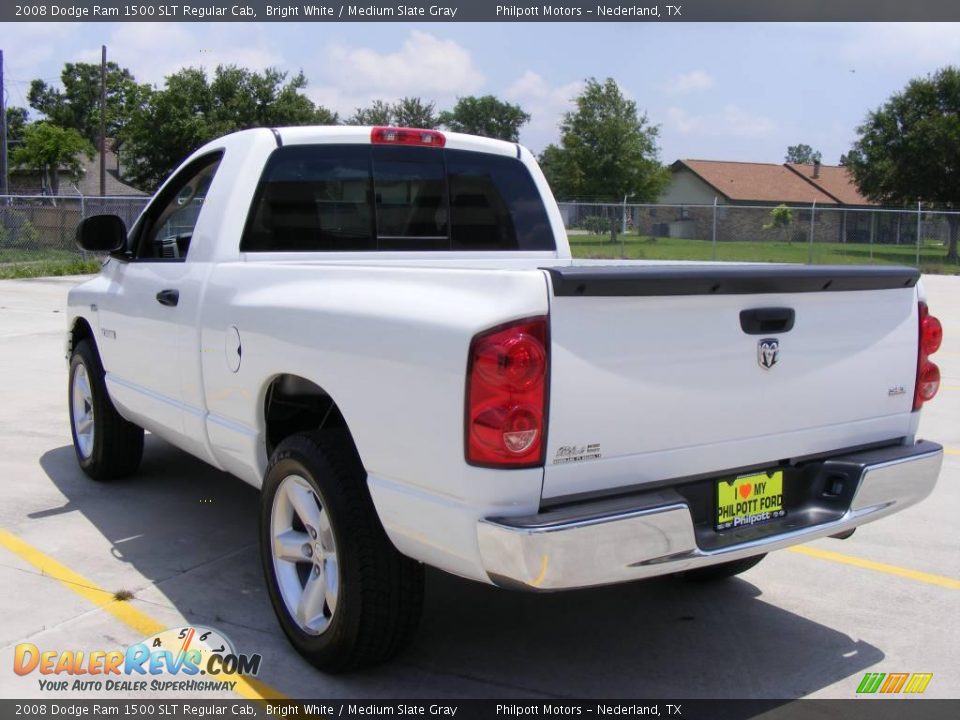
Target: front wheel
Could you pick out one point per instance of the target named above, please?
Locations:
(107, 446)
(344, 596)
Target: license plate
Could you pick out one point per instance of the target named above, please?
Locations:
(749, 499)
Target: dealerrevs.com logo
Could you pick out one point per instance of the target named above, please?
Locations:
(177, 660)
(894, 683)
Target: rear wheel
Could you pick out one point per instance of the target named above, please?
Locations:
(343, 594)
(722, 571)
(107, 446)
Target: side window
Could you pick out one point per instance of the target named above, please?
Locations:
(494, 204)
(313, 198)
(167, 227)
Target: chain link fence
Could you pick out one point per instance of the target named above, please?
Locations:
(763, 233)
(36, 228)
(40, 227)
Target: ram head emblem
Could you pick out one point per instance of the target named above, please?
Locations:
(768, 352)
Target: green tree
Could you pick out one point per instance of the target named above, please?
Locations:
(909, 148)
(77, 104)
(244, 99)
(16, 122)
(193, 109)
(413, 112)
(406, 112)
(379, 113)
(52, 151)
(781, 218)
(802, 154)
(607, 149)
(485, 116)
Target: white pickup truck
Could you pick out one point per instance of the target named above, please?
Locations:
(383, 329)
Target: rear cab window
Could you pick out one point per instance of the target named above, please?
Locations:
(350, 198)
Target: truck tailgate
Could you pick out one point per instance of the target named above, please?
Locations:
(672, 371)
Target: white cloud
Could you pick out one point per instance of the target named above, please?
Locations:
(173, 46)
(906, 46)
(731, 120)
(683, 122)
(545, 103)
(744, 123)
(691, 82)
(426, 66)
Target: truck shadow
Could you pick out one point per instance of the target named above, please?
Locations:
(190, 530)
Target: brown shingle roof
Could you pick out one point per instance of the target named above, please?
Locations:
(835, 180)
(756, 182)
(28, 181)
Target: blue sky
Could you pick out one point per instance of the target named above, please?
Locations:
(718, 91)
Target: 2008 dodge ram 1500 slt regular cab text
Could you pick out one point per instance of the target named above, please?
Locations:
(383, 329)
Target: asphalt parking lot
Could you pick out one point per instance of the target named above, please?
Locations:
(181, 538)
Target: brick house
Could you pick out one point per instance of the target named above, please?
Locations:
(48, 222)
(746, 192)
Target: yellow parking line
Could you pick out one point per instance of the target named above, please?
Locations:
(951, 451)
(928, 578)
(132, 617)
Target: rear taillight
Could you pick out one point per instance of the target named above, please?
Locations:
(506, 412)
(928, 374)
(407, 136)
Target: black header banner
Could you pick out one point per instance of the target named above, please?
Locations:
(479, 11)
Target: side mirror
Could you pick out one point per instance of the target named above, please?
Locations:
(101, 233)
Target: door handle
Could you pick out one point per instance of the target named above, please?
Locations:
(763, 321)
(168, 297)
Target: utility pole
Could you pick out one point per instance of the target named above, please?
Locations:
(103, 120)
(3, 133)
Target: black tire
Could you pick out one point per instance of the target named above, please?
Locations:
(723, 571)
(117, 444)
(379, 591)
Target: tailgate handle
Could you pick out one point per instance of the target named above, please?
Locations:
(170, 297)
(763, 321)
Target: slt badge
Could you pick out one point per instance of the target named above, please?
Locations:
(768, 352)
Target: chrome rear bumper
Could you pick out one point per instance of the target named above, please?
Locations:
(604, 542)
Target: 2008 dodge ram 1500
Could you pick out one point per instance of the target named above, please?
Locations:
(383, 329)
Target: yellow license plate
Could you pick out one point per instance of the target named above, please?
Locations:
(749, 499)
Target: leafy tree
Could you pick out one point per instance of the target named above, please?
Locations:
(406, 112)
(413, 112)
(244, 99)
(52, 151)
(551, 161)
(909, 148)
(802, 154)
(379, 113)
(77, 105)
(486, 116)
(780, 219)
(607, 148)
(16, 122)
(193, 109)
